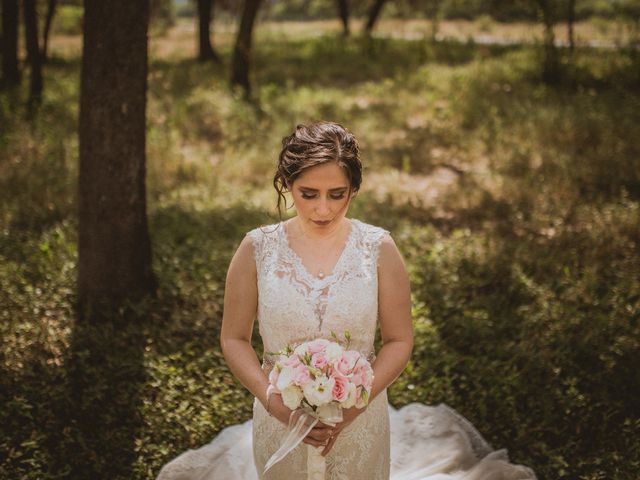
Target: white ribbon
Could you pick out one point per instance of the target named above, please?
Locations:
(328, 414)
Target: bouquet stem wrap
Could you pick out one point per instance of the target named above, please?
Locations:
(298, 430)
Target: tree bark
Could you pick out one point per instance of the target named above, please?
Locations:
(33, 50)
(10, 70)
(571, 19)
(51, 11)
(343, 11)
(242, 52)
(114, 252)
(551, 66)
(374, 13)
(205, 16)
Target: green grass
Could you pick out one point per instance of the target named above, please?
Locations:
(515, 204)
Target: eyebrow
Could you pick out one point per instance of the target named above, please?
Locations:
(337, 189)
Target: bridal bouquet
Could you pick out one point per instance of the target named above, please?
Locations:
(320, 377)
(320, 374)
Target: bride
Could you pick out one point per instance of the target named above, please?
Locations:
(317, 273)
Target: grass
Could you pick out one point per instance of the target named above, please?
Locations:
(515, 204)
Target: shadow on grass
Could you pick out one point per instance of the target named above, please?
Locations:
(106, 378)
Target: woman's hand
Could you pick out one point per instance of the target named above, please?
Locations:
(323, 435)
(278, 409)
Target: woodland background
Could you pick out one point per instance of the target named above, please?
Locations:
(500, 144)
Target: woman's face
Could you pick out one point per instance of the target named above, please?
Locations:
(321, 195)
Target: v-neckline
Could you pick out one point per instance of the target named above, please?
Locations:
(300, 262)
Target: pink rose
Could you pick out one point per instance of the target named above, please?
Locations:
(301, 375)
(347, 361)
(319, 360)
(362, 375)
(340, 390)
(316, 346)
(293, 361)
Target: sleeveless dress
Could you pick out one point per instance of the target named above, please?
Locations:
(417, 442)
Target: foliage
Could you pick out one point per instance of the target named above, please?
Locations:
(516, 206)
(68, 20)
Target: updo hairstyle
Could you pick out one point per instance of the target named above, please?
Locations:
(312, 145)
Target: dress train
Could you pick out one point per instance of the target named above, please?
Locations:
(427, 443)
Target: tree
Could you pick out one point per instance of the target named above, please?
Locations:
(343, 11)
(242, 52)
(551, 62)
(434, 12)
(374, 13)
(205, 14)
(571, 19)
(51, 10)
(114, 253)
(10, 70)
(33, 50)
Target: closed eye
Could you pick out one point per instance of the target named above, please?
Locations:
(333, 196)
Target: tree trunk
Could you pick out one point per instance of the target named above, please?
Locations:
(10, 70)
(242, 52)
(33, 50)
(343, 10)
(374, 13)
(114, 253)
(571, 18)
(434, 12)
(551, 67)
(106, 366)
(205, 50)
(51, 10)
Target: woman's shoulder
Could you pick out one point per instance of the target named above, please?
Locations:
(264, 233)
(369, 232)
(265, 230)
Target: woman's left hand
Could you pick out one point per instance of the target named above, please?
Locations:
(321, 430)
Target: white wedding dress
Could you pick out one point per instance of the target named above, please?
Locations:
(416, 442)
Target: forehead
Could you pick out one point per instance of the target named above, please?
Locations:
(327, 175)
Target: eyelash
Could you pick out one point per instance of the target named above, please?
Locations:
(311, 196)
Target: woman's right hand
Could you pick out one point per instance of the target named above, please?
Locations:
(278, 409)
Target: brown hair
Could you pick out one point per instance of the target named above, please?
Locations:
(312, 145)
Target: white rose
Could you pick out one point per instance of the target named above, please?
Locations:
(350, 401)
(291, 397)
(285, 378)
(333, 352)
(320, 391)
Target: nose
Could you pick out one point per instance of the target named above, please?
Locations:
(322, 207)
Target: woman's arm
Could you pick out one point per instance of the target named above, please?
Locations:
(394, 313)
(240, 305)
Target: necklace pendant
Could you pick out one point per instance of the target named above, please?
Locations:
(320, 274)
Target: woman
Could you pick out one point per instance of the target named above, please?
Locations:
(316, 273)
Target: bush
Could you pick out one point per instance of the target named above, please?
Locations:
(68, 20)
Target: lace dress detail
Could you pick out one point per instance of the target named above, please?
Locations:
(417, 442)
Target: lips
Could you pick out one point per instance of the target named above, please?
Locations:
(321, 222)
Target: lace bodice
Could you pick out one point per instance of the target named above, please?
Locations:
(295, 306)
